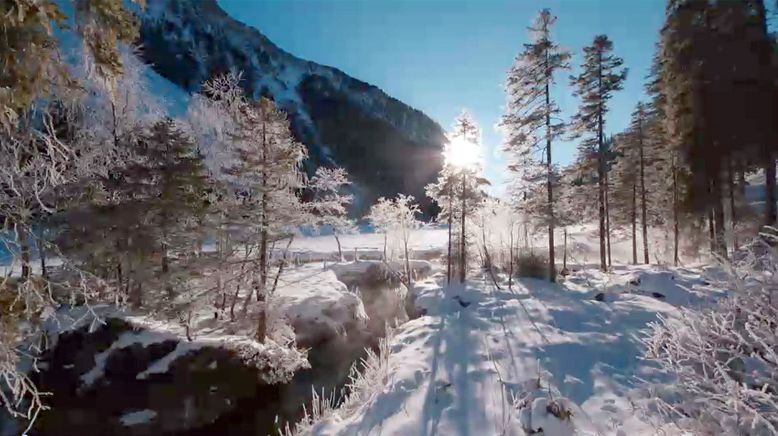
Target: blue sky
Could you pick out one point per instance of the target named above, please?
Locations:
(440, 56)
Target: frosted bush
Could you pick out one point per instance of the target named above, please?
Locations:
(366, 380)
(725, 358)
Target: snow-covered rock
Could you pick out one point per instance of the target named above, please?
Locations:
(319, 306)
(122, 378)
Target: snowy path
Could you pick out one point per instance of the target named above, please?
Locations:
(456, 370)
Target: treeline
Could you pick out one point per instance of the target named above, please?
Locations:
(683, 162)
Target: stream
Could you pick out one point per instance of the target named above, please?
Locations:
(205, 392)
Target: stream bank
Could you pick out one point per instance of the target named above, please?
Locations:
(207, 390)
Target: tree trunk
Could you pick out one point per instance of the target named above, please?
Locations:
(564, 259)
(119, 277)
(340, 251)
(601, 175)
(549, 183)
(462, 238)
(263, 255)
(601, 212)
(166, 271)
(608, 219)
(770, 191)
(711, 230)
(643, 193)
(450, 224)
(263, 237)
(732, 207)
(234, 301)
(24, 247)
(283, 264)
(675, 214)
(42, 256)
(718, 207)
(261, 318)
(634, 225)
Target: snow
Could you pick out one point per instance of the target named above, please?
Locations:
(316, 302)
(126, 339)
(499, 361)
(138, 417)
(368, 245)
(480, 359)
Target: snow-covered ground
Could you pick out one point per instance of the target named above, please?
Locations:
(485, 360)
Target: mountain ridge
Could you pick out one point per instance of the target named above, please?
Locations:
(387, 146)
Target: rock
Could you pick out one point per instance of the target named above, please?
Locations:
(461, 302)
(600, 296)
(193, 393)
(658, 295)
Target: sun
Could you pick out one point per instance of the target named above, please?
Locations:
(462, 153)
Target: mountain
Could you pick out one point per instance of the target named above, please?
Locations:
(387, 146)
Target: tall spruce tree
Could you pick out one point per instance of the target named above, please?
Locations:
(715, 68)
(531, 121)
(601, 75)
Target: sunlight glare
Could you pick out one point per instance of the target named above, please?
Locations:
(462, 153)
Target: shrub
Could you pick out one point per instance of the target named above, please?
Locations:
(724, 358)
(531, 265)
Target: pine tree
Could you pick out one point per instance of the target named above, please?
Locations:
(636, 163)
(531, 121)
(251, 151)
(715, 69)
(626, 181)
(467, 134)
(601, 75)
(459, 187)
(442, 192)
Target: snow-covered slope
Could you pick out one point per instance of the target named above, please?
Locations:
(387, 146)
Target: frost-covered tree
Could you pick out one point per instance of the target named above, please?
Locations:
(250, 149)
(601, 75)
(717, 61)
(32, 67)
(397, 218)
(531, 122)
(329, 204)
(105, 223)
(47, 148)
(723, 359)
(379, 217)
(638, 182)
(459, 184)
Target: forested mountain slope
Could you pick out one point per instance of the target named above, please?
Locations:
(386, 146)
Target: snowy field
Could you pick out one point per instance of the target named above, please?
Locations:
(484, 360)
